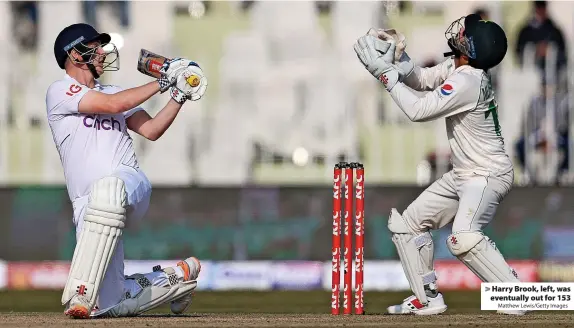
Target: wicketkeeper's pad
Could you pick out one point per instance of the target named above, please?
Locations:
(481, 256)
(416, 252)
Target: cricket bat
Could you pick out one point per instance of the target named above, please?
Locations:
(150, 65)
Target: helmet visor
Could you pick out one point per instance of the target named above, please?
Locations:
(94, 53)
(458, 40)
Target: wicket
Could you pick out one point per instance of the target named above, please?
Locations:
(344, 172)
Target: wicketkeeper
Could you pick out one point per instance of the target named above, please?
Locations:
(459, 90)
(89, 123)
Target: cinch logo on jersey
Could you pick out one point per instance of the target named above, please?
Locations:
(104, 124)
(446, 90)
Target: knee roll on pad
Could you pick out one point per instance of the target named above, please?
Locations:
(104, 221)
(416, 252)
(481, 256)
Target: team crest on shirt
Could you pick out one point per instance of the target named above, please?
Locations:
(446, 90)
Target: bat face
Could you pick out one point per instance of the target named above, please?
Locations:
(150, 63)
(153, 66)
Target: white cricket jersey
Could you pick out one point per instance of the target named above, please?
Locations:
(465, 98)
(91, 146)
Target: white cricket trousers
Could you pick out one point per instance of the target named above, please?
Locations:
(138, 190)
(469, 201)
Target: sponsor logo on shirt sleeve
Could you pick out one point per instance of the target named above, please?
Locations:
(446, 89)
(74, 88)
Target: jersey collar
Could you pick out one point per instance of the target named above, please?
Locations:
(467, 68)
(97, 84)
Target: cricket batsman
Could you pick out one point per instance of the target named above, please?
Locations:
(108, 190)
(458, 90)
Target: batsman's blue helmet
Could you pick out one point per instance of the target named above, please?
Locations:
(74, 35)
(77, 37)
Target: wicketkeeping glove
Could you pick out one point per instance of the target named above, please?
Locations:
(378, 63)
(402, 60)
(391, 34)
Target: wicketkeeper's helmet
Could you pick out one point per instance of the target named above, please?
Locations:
(483, 42)
(77, 37)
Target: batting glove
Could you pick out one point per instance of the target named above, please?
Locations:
(379, 64)
(172, 68)
(190, 84)
(169, 71)
(178, 95)
(164, 84)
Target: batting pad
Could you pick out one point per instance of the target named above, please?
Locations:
(481, 256)
(103, 224)
(416, 252)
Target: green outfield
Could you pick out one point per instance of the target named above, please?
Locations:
(272, 309)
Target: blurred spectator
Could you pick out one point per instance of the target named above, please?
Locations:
(394, 7)
(402, 6)
(533, 128)
(121, 9)
(208, 6)
(541, 31)
(25, 23)
(323, 7)
(246, 5)
(483, 13)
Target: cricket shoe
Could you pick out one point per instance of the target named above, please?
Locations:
(191, 268)
(411, 305)
(78, 308)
